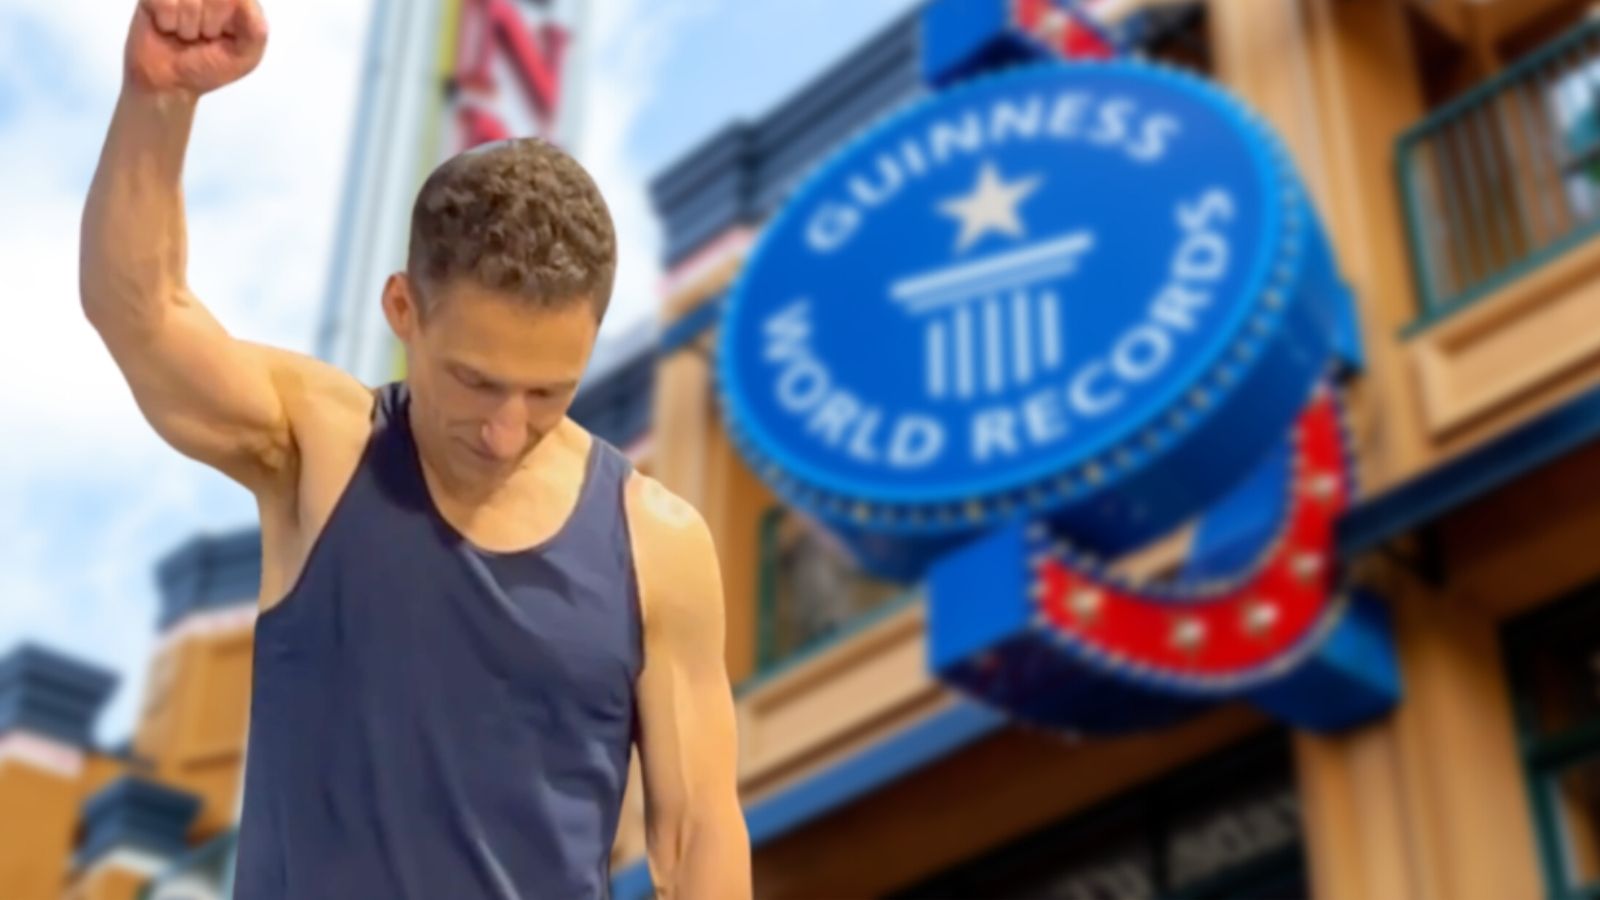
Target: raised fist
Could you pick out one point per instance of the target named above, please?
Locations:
(194, 46)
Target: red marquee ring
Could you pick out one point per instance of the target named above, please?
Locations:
(1223, 634)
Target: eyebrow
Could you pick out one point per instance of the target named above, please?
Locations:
(461, 367)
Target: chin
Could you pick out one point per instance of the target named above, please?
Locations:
(484, 471)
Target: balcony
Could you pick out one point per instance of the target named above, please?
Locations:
(1501, 194)
(1507, 177)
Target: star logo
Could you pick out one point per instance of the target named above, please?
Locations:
(990, 207)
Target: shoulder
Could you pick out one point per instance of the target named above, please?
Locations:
(665, 528)
(659, 512)
(674, 557)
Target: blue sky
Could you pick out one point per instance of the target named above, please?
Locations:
(90, 499)
(742, 59)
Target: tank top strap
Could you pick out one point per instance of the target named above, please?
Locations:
(598, 530)
(390, 436)
(599, 512)
(390, 407)
(609, 472)
(390, 463)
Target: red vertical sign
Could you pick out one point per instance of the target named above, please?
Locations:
(495, 29)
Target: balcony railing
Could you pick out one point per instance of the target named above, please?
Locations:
(1506, 177)
(810, 595)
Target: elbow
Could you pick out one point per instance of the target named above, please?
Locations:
(93, 306)
(125, 310)
(108, 321)
(92, 292)
(97, 296)
(97, 281)
(126, 292)
(96, 311)
(703, 854)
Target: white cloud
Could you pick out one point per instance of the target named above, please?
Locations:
(89, 497)
(629, 40)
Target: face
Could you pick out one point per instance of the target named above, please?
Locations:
(489, 376)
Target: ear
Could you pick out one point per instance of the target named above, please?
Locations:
(400, 307)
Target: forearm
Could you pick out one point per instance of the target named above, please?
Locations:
(134, 242)
(711, 860)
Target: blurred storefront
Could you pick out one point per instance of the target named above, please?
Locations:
(1449, 150)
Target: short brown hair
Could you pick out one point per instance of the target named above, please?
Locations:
(519, 216)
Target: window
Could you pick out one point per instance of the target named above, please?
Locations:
(1554, 660)
(809, 592)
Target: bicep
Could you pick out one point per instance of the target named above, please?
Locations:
(688, 741)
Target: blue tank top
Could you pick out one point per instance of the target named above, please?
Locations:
(431, 720)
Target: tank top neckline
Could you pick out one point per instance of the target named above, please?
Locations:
(413, 455)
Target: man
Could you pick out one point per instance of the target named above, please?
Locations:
(470, 608)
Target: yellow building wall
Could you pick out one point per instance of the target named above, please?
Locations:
(37, 830)
(192, 727)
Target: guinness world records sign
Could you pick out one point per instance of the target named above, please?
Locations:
(1093, 294)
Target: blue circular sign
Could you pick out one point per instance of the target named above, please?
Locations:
(1033, 294)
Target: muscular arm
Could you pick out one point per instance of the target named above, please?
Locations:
(208, 395)
(696, 839)
(222, 401)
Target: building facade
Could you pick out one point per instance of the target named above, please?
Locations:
(1448, 148)
(98, 823)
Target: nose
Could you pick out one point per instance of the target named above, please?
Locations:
(506, 431)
